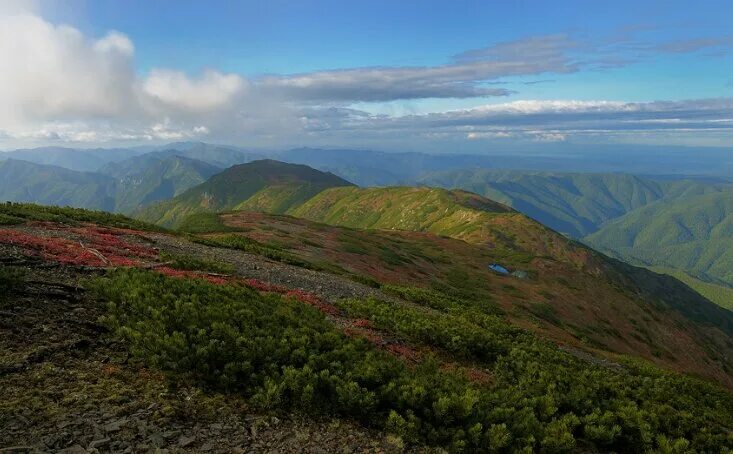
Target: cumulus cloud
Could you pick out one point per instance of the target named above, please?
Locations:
(49, 71)
(211, 91)
(58, 84)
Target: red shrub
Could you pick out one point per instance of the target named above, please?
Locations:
(93, 249)
(264, 286)
(362, 323)
(404, 352)
(171, 272)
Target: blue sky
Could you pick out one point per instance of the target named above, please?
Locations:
(285, 37)
(376, 73)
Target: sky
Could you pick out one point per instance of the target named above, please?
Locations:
(447, 76)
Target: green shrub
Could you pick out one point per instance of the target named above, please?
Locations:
(32, 212)
(10, 278)
(6, 219)
(281, 353)
(204, 223)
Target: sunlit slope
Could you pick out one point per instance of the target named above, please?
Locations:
(274, 187)
(455, 214)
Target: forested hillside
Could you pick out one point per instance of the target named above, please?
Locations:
(24, 181)
(575, 204)
(149, 178)
(693, 234)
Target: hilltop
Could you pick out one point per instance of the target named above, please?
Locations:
(282, 185)
(569, 279)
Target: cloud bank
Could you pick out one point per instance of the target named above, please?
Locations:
(58, 85)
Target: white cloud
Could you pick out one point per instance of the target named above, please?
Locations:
(115, 42)
(211, 91)
(49, 71)
(489, 135)
(15, 7)
(524, 107)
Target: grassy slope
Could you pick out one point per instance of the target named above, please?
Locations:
(694, 234)
(496, 386)
(17, 213)
(232, 188)
(456, 214)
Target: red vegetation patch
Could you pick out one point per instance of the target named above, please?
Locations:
(404, 352)
(313, 300)
(171, 272)
(363, 328)
(66, 251)
(106, 239)
(95, 246)
(297, 294)
(264, 286)
(362, 323)
(368, 334)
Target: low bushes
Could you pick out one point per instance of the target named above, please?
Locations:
(285, 354)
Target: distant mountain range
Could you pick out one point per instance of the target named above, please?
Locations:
(575, 204)
(84, 160)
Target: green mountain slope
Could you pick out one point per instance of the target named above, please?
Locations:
(456, 214)
(150, 178)
(694, 234)
(575, 204)
(22, 181)
(264, 185)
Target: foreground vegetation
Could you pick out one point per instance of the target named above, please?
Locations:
(284, 354)
(17, 213)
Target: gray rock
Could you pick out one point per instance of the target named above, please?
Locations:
(185, 441)
(76, 449)
(115, 426)
(99, 443)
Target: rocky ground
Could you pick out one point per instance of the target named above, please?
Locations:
(327, 286)
(67, 386)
